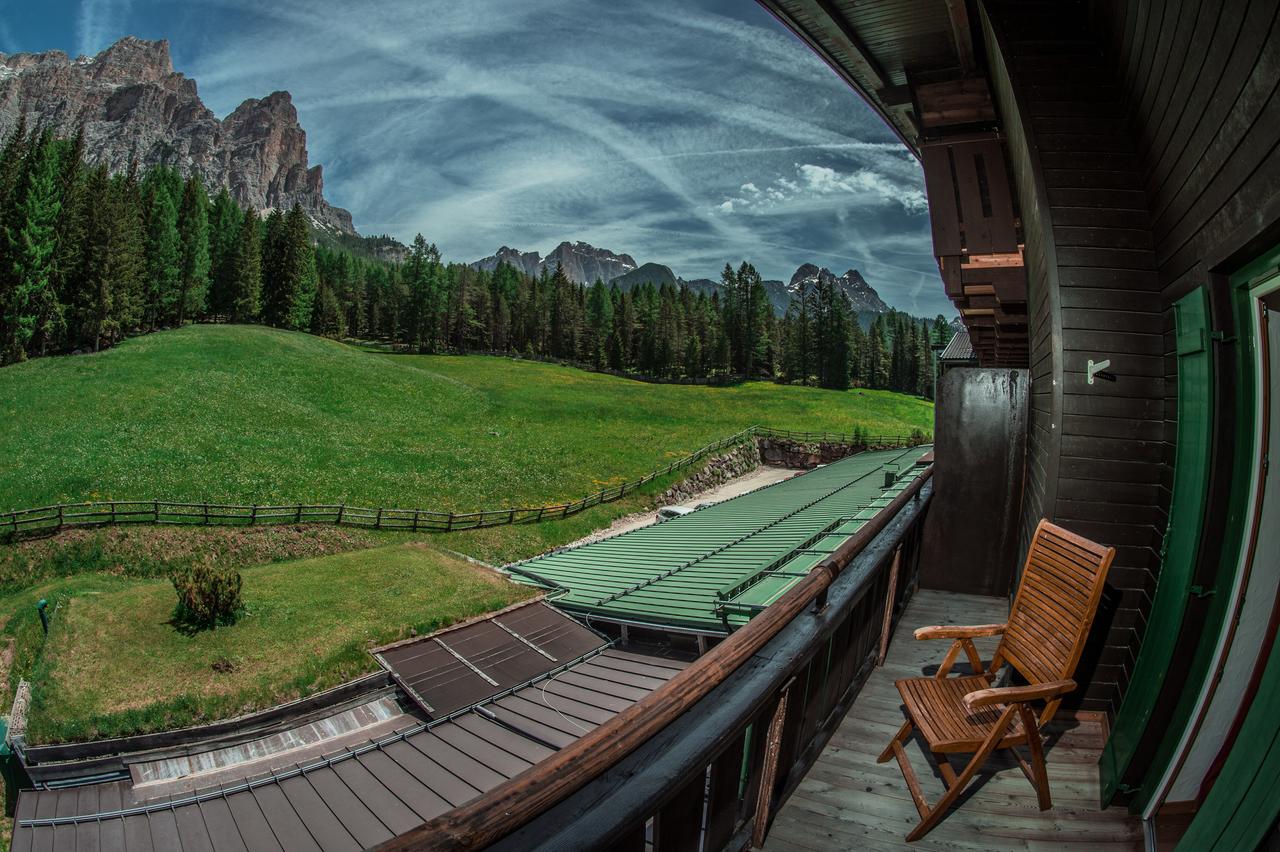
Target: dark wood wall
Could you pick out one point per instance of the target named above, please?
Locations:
(1097, 458)
(1144, 136)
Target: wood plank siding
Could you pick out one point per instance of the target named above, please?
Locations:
(1097, 455)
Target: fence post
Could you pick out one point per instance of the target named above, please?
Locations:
(448, 527)
(60, 517)
(377, 522)
(416, 512)
(155, 511)
(206, 514)
(341, 508)
(253, 516)
(113, 514)
(297, 516)
(511, 517)
(541, 509)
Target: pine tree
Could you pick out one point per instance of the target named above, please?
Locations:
(599, 323)
(301, 260)
(193, 233)
(68, 274)
(163, 252)
(278, 286)
(225, 220)
(27, 301)
(246, 271)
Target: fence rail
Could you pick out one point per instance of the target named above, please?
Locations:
(48, 520)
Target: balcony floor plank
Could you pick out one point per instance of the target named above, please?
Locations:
(848, 801)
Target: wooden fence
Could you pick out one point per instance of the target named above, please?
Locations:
(49, 520)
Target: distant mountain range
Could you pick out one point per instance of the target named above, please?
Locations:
(585, 263)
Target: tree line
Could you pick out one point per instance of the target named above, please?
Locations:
(88, 258)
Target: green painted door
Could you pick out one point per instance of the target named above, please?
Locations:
(1181, 540)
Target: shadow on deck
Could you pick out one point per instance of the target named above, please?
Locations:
(848, 801)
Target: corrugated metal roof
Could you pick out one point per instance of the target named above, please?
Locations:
(359, 795)
(709, 570)
(959, 349)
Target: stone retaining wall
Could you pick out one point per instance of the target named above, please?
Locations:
(742, 459)
(803, 455)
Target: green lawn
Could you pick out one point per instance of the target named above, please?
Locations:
(114, 664)
(248, 414)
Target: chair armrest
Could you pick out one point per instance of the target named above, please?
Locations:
(950, 631)
(1014, 694)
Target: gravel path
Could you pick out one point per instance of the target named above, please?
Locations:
(758, 478)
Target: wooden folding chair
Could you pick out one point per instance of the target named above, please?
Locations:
(1048, 624)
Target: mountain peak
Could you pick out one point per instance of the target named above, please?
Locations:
(133, 106)
(582, 262)
(861, 295)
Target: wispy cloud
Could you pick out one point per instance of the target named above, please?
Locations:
(100, 22)
(686, 133)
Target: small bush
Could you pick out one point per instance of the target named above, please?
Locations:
(208, 595)
(918, 436)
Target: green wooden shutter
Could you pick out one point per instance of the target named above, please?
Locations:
(1181, 540)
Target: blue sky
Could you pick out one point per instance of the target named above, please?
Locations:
(685, 133)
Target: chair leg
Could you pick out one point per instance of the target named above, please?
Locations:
(939, 810)
(904, 733)
(1036, 746)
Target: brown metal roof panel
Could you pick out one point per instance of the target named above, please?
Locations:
(500, 656)
(111, 836)
(637, 666)
(534, 730)
(502, 738)
(430, 774)
(545, 715)
(627, 692)
(603, 670)
(602, 700)
(361, 822)
(580, 714)
(456, 762)
(137, 833)
(327, 830)
(255, 830)
(192, 832)
(500, 761)
(285, 823)
(662, 662)
(64, 838)
(373, 793)
(424, 802)
(224, 831)
(164, 830)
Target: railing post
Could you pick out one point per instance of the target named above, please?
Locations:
(297, 515)
(155, 511)
(886, 625)
(416, 512)
(377, 522)
(60, 516)
(341, 509)
(206, 514)
(773, 746)
(448, 524)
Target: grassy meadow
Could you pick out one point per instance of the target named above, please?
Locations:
(248, 414)
(114, 662)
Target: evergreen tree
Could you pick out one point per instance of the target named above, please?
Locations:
(71, 239)
(301, 263)
(246, 271)
(599, 323)
(278, 286)
(163, 252)
(193, 234)
(225, 221)
(27, 301)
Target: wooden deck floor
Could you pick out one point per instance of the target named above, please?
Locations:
(848, 801)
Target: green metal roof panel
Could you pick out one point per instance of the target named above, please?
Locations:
(732, 557)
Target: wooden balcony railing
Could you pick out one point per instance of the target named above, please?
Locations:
(704, 761)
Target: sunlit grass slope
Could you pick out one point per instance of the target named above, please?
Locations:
(249, 414)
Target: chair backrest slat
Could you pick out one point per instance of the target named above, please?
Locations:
(1057, 599)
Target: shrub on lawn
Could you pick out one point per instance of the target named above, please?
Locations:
(208, 595)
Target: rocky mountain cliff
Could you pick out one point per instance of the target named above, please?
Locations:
(862, 296)
(582, 263)
(133, 106)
